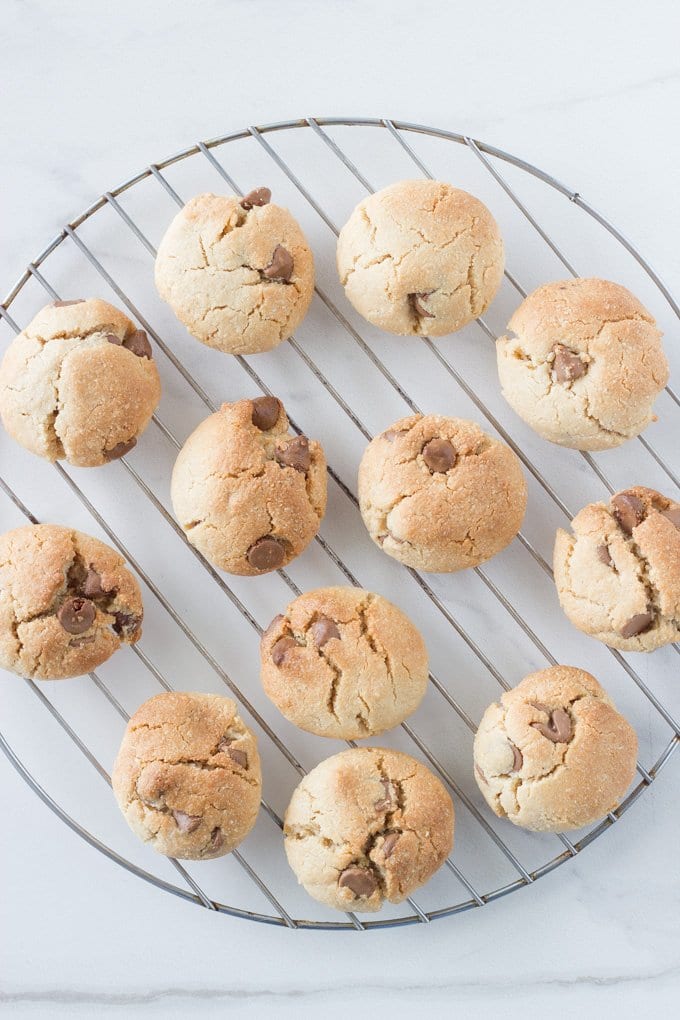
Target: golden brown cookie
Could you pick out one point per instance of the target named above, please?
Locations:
(248, 495)
(187, 776)
(67, 602)
(365, 826)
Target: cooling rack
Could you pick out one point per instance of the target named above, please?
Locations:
(341, 381)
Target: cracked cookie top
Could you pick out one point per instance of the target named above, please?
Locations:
(420, 257)
(554, 754)
(365, 826)
(343, 662)
(438, 494)
(187, 777)
(582, 363)
(67, 602)
(79, 383)
(248, 495)
(236, 271)
(618, 573)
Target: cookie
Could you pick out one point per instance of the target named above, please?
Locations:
(554, 754)
(187, 777)
(618, 574)
(343, 662)
(438, 494)
(79, 383)
(365, 826)
(248, 495)
(582, 363)
(67, 602)
(236, 271)
(420, 258)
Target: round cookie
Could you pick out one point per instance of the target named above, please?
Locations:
(365, 826)
(79, 383)
(618, 574)
(438, 494)
(343, 662)
(67, 602)
(187, 777)
(236, 271)
(420, 258)
(248, 495)
(582, 363)
(554, 754)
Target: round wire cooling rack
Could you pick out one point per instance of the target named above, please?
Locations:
(375, 380)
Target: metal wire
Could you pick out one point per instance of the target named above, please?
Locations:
(396, 130)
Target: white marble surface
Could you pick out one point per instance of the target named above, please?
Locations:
(90, 93)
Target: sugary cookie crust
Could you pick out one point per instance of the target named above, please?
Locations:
(613, 579)
(582, 363)
(236, 484)
(187, 777)
(420, 257)
(79, 383)
(365, 826)
(226, 272)
(54, 578)
(554, 754)
(455, 512)
(343, 662)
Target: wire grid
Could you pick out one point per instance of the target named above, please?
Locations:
(190, 889)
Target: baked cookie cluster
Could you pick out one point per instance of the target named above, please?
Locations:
(581, 363)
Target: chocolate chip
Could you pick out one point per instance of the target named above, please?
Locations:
(76, 615)
(281, 266)
(259, 196)
(567, 365)
(63, 304)
(295, 454)
(185, 822)
(361, 881)
(389, 843)
(216, 839)
(517, 758)
(628, 510)
(224, 744)
(439, 455)
(138, 343)
(275, 622)
(385, 802)
(266, 554)
(673, 515)
(120, 449)
(418, 306)
(92, 585)
(604, 556)
(558, 728)
(323, 630)
(127, 624)
(240, 757)
(636, 625)
(266, 411)
(281, 647)
(113, 339)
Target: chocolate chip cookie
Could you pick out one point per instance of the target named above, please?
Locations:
(343, 662)
(420, 257)
(79, 383)
(582, 363)
(365, 826)
(618, 574)
(248, 495)
(67, 602)
(237, 272)
(554, 754)
(438, 494)
(187, 776)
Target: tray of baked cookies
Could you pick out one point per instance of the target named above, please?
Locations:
(339, 513)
